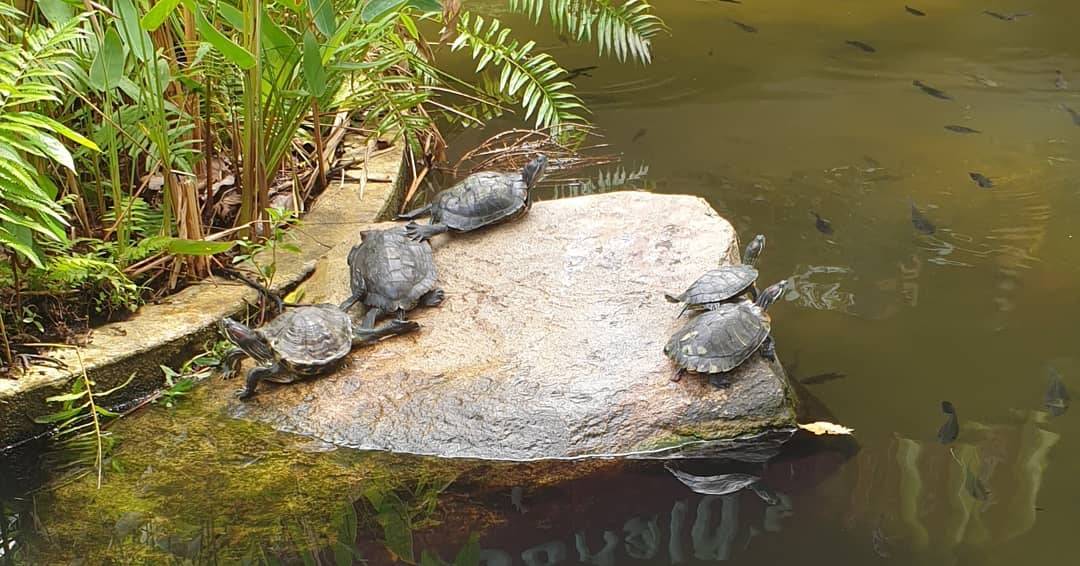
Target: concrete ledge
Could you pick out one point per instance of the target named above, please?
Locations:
(168, 332)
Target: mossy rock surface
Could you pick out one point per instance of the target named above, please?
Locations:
(548, 346)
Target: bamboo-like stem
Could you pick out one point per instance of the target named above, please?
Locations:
(316, 118)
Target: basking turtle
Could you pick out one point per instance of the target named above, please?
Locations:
(725, 283)
(391, 273)
(479, 200)
(301, 342)
(720, 340)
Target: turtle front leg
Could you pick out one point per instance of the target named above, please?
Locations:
(372, 314)
(367, 336)
(420, 233)
(254, 375)
(230, 362)
(678, 375)
(768, 349)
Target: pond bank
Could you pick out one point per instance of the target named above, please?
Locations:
(169, 332)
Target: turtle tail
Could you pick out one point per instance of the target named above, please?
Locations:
(672, 298)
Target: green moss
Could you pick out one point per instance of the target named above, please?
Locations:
(192, 480)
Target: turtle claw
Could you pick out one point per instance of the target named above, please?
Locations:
(403, 326)
(243, 394)
(433, 298)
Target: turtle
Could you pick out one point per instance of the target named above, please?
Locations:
(301, 342)
(479, 200)
(724, 283)
(720, 340)
(390, 272)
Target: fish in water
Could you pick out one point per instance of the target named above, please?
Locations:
(639, 134)
(1006, 17)
(1056, 399)
(983, 80)
(921, 222)
(951, 429)
(745, 27)
(1075, 115)
(1059, 81)
(914, 11)
(936, 93)
(822, 378)
(962, 129)
(975, 487)
(982, 180)
(822, 225)
(861, 45)
(580, 72)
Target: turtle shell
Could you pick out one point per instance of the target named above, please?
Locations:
(308, 339)
(719, 340)
(718, 285)
(391, 270)
(479, 200)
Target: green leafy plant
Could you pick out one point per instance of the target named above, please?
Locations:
(33, 72)
(79, 425)
(261, 254)
(624, 28)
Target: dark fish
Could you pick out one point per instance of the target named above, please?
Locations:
(744, 27)
(1075, 115)
(861, 45)
(975, 487)
(1006, 17)
(913, 11)
(1060, 82)
(921, 222)
(1056, 400)
(822, 225)
(639, 134)
(962, 129)
(731, 1)
(822, 378)
(936, 93)
(982, 180)
(951, 429)
(579, 72)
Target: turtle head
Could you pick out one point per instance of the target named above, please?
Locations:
(754, 249)
(774, 292)
(245, 338)
(534, 170)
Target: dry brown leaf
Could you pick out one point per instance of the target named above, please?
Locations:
(822, 427)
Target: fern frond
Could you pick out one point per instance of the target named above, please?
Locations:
(27, 71)
(624, 28)
(534, 75)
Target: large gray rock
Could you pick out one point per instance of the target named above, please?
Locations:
(549, 345)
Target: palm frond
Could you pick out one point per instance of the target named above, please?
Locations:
(534, 75)
(624, 28)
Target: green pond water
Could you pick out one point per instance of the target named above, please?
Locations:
(885, 323)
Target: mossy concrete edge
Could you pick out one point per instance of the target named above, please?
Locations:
(171, 331)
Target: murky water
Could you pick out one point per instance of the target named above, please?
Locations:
(769, 127)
